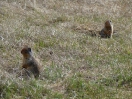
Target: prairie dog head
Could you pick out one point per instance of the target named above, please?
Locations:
(108, 25)
(26, 52)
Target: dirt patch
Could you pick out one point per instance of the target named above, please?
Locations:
(88, 31)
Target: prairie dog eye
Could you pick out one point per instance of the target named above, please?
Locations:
(29, 49)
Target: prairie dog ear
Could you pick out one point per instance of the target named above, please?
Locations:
(29, 49)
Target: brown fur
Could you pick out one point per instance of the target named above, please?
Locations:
(30, 63)
(107, 31)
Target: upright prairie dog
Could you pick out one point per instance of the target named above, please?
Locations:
(107, 31)
(30, 63)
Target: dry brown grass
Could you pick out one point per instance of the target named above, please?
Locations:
(81, 65)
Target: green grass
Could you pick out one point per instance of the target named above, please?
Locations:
(81, 66)
(81, 89)
(31, 90)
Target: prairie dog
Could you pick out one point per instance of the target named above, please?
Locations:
(30, 63)
(107, 31)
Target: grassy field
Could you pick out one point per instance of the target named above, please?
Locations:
(82, 66)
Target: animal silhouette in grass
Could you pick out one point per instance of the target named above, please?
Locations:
(107, 31)
(30, 64)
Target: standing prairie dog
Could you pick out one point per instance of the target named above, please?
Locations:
(29, 62)
(107, 31)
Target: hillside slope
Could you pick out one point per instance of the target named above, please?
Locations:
(82, 66)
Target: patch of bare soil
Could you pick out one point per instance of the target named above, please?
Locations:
(88, 31)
